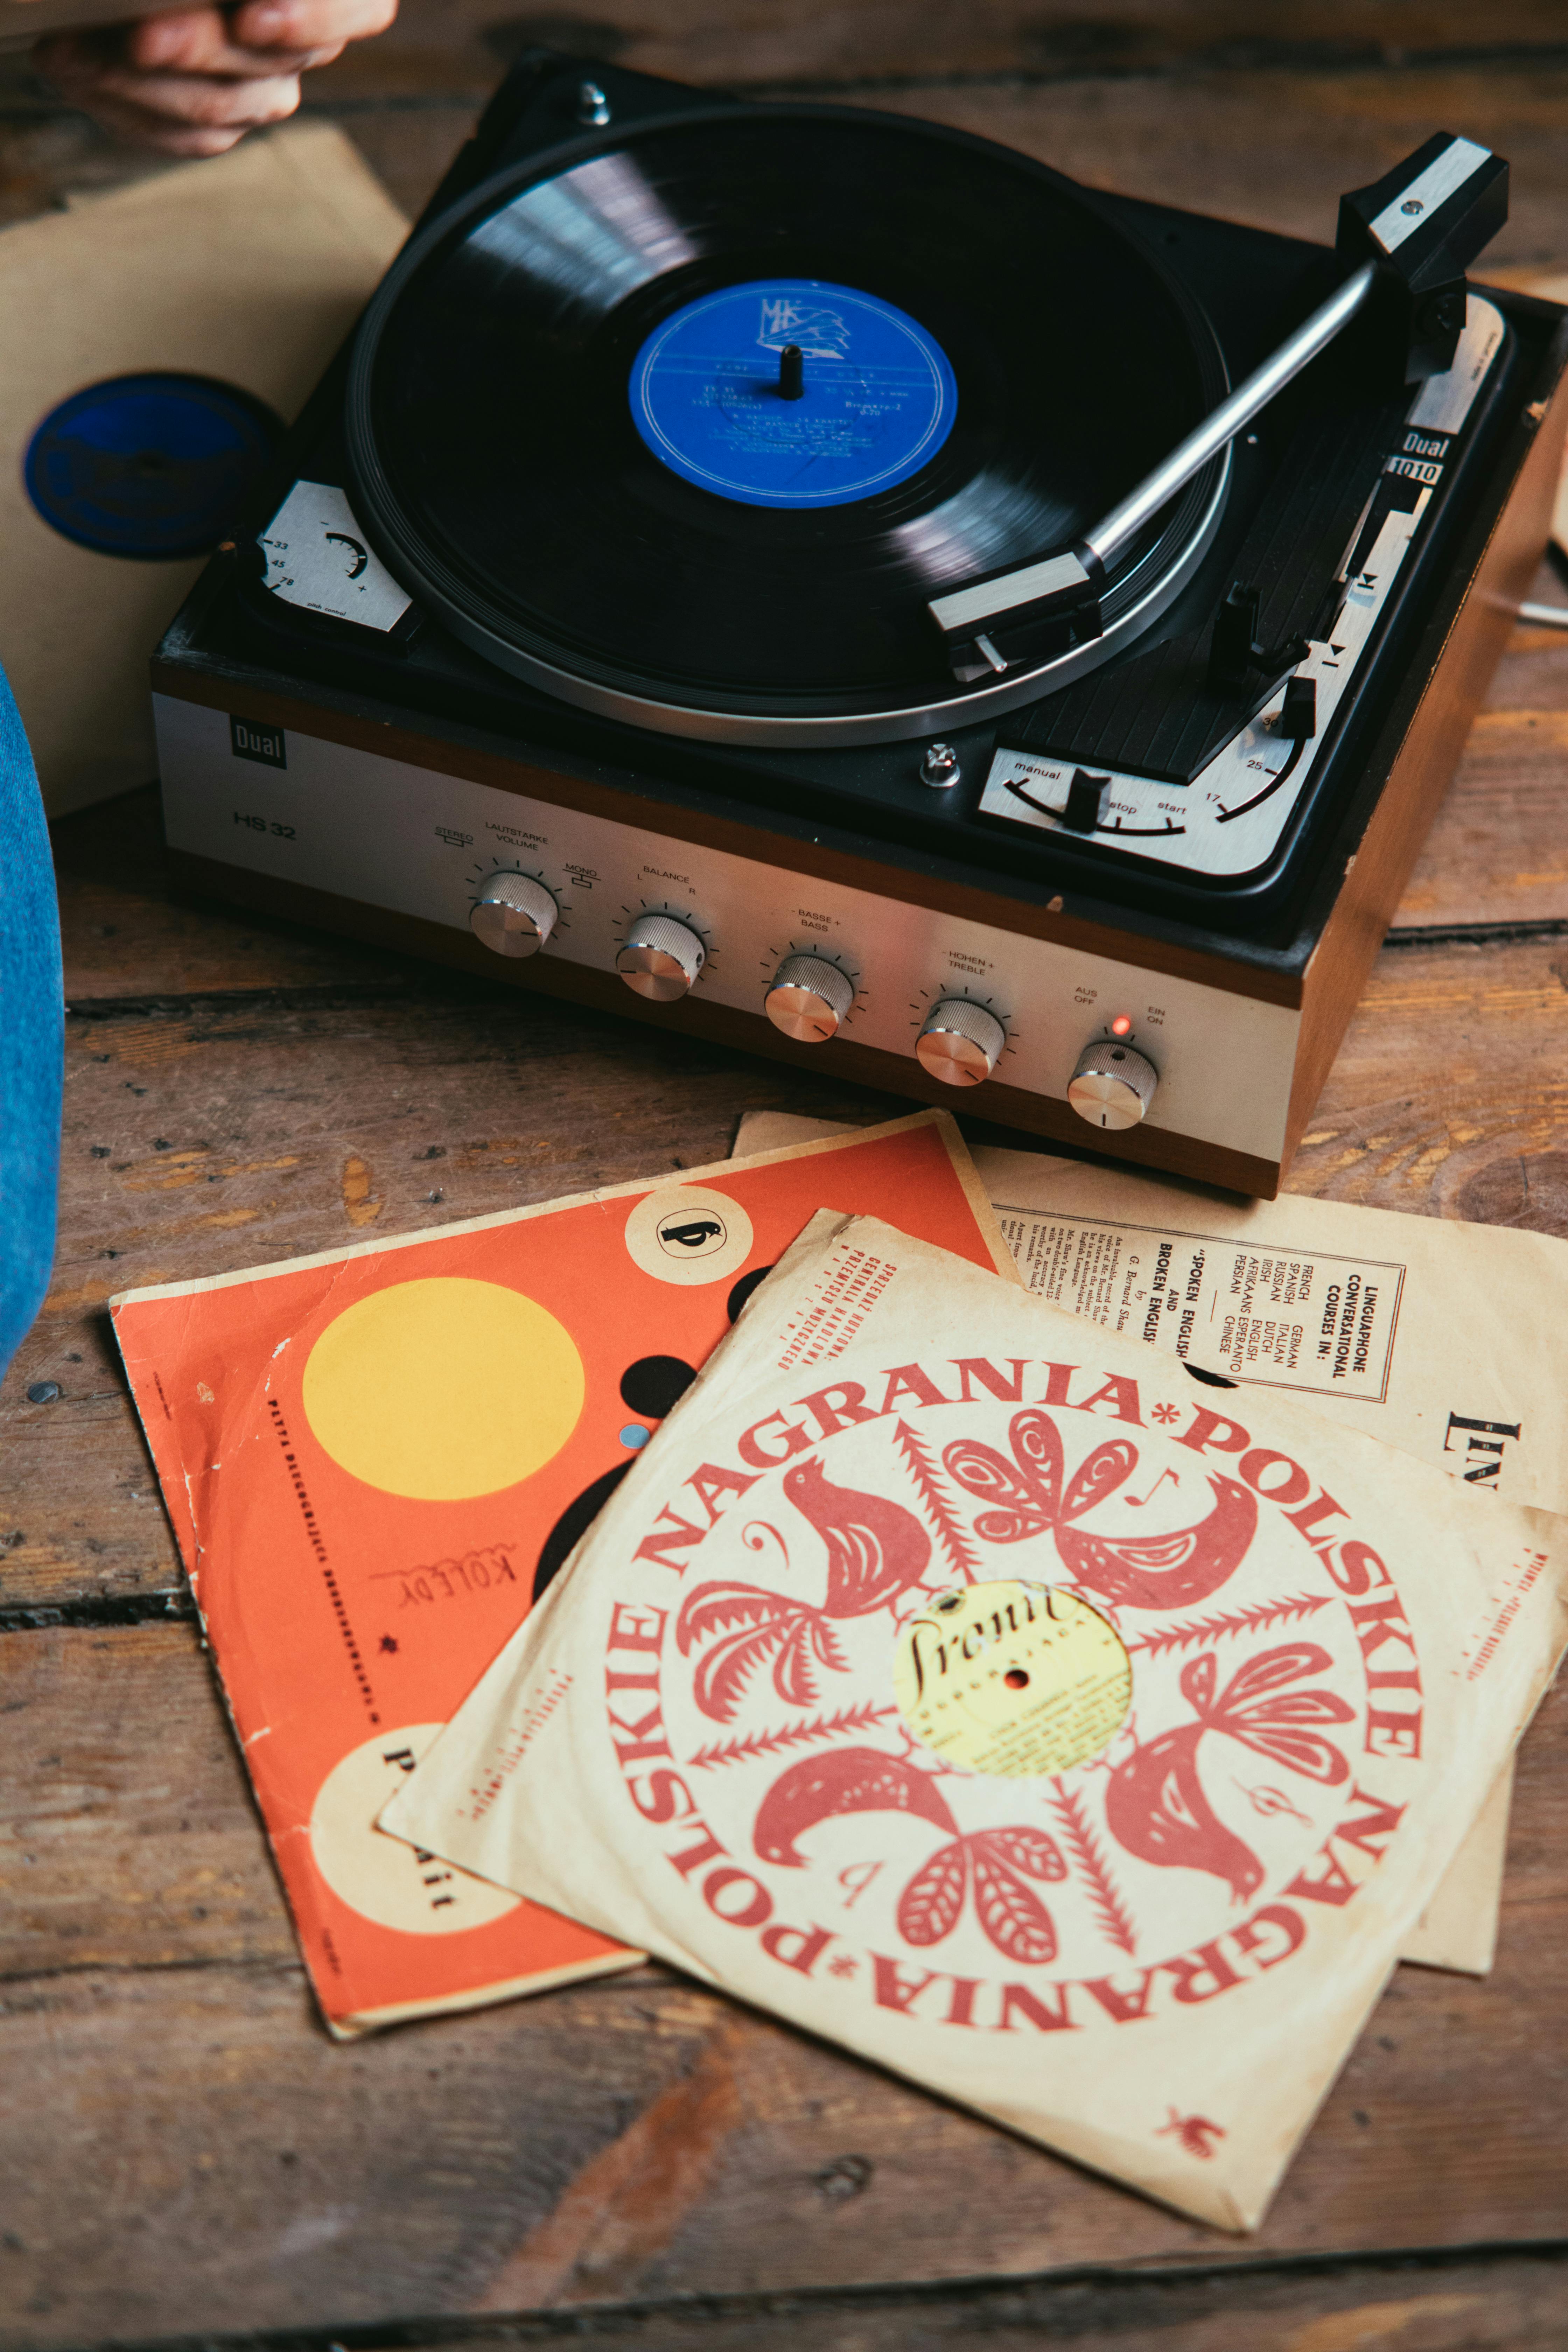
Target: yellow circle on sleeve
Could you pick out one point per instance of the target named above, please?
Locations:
(443, 1389)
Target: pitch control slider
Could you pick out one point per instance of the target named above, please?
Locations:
(1432, 215)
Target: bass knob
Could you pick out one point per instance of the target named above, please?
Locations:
(1112, 1085)
(808, 998)
(513, 914)
(661, 957)
(960, 1041)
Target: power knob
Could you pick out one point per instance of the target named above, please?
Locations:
(960, 1041)
(513, 914)
(1113, 1085)
(660, 959)
(808, 998)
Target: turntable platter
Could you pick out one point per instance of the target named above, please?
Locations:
(689, 424)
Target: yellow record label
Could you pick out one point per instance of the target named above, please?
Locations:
(1017, 1679)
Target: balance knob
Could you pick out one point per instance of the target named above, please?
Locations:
(513, 914)
(660, 959)
(808, 998)
(1113, 1085)
(960, 1041)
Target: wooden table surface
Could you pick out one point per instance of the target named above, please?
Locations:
(183, 2153)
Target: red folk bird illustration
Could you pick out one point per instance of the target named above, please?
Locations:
(1028, 1496)
(1154, 1802)
(996, 1864)
(875, 1551)
(1195, 2131)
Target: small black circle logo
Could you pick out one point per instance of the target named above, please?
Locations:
(685, 1234)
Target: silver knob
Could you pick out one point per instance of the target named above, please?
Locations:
(593, 106)
(1112, 1085)
(939, 766)
(660, 959)
(808, 998)
(513, 914)
(960, 1041)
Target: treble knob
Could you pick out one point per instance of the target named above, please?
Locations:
(1113, 1085)
(660, 959)
(808, 998)
(513, 914)
(960, 1041)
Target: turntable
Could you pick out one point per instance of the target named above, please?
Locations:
(829, 583)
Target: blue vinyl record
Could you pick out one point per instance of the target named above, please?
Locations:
(150, 466)
(874, 400)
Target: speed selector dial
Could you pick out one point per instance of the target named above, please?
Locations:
(513, 914)
(960, 1041)
(1113, 1085)
(808, 998)
(660, 959)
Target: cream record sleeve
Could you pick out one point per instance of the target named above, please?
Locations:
(951, 1679)
(1447, 1341)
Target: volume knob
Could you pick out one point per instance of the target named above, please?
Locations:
(808, 998)
(1112, 1085)
(660, 959)
(960, 1041)
(513, 914)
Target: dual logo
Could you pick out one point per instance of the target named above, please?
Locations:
(250, 741)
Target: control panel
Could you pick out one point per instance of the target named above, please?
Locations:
(672, 916)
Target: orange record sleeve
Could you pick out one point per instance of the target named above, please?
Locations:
(374, 1461)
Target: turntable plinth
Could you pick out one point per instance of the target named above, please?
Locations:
(1241, 1041)
(687, 671)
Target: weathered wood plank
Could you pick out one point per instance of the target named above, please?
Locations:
(1277, 149)
(636, 2139)
(766, 43)
(206, 1137)
(47, 155)
(461, 44)
(1498, 851)
(1450, 1093)
(1271, 148)
(189, 2151)
(1191, 104)
(1484, 2304)
(127, 1835)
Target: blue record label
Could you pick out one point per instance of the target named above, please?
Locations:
(150, 466)
(873, 401)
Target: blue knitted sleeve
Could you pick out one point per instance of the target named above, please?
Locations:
(32, 1038)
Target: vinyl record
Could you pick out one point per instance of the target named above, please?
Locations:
(575, 431)
(150, 466)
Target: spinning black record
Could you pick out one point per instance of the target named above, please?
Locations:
(575, 433)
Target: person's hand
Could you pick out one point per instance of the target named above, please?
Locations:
(193, 82)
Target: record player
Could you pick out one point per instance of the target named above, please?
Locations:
(826, 582)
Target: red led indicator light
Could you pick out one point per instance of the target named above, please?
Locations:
(1122, 1025)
